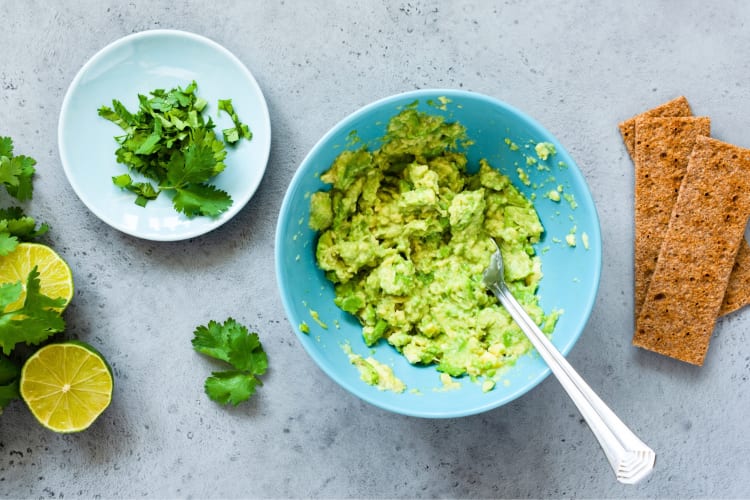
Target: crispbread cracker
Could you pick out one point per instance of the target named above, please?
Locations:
(662, 149)
(676, 107)
(738, 289)
(698, 253)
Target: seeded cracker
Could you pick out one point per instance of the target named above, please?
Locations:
(676, 107)
(708, 222)
(662, 149)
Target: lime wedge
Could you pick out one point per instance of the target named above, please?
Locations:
(66, 386)
(55, 277)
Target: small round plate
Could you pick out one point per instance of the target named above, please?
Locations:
(138, 64)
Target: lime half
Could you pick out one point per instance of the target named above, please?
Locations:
(55, 277)
(66, 386)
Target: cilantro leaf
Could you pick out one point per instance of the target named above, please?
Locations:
(201, 199)
(119, 115)
(6, 147)
(122, 181)
(9, 293)
(24, 168)
(8, 370)
(196, 164)
(15, 171)
(16, 174)
(8, 243)
(145, 191)
(231, 135)
(9, 378)
(8, 392)
(232, 386)
(232, 343)
(213, 339)
(33, 322)
(247, 353)
(9, 171)
(149, 144)
(15, 222)
(22, 190)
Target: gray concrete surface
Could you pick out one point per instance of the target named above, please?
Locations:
(578, 67)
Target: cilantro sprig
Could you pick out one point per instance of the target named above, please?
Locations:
(170, 143)
(16, 174)
(15, 227)
(39, 316)
(15, 171)
(232, 343)
(32, 323)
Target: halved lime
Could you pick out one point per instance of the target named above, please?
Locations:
(55, 277)
(66, 386)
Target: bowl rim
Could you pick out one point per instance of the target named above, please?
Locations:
(346, 124)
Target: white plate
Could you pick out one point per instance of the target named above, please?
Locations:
(138, 64)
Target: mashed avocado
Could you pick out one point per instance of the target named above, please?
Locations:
(544, 150)
(404, 235)
(374, 372)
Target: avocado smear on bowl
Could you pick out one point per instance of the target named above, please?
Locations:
(404, 236)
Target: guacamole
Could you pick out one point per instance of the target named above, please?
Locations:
(404, 235)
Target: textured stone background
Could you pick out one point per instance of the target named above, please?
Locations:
(578, 67)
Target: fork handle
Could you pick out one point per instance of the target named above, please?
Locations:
(629, 457)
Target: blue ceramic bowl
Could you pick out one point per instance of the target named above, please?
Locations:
(504, 136)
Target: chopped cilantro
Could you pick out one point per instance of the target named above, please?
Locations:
(231, 342)
(240, 130)
(170, 142)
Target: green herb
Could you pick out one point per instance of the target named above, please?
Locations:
(16, 173)
(16, 227)
(39, 316)
(240, 130)
(9, 379)
(35, 321)
(169, 142)
(231, 342)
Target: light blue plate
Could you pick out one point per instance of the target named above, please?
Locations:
(571, 274)
(140, 63)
